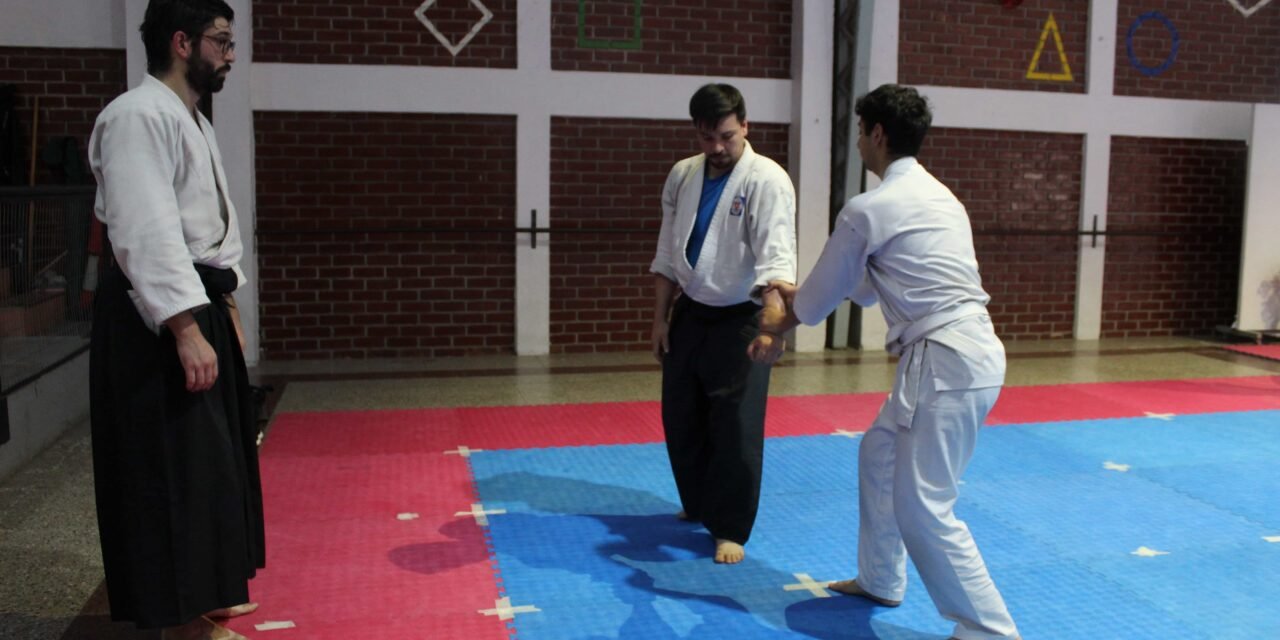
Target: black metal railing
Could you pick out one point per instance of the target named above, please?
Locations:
(44, 304)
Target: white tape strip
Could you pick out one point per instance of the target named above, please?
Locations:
(275, 625)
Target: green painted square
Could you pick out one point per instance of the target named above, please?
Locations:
(633, 43)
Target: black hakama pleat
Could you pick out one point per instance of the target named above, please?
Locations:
(176, 473)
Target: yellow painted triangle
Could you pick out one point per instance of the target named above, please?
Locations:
(1050, 26)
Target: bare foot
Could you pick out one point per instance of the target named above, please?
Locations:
(852, 588)
(729, 552)
(201, 628)
(231, 612)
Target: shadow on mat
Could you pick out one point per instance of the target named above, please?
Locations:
(648, 574)
(466, 547)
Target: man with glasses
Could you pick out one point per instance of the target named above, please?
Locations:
(174, 428)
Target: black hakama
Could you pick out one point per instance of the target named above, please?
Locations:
(176, 473)
(713, 408)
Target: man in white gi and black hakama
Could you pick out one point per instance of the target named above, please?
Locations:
(173, 425)
(728, 229)
(907, 244)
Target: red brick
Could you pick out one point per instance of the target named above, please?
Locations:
(381, 32)
(601, 288)
(1015, 182)
(386, 287)
(73, 86)
(981, 44)
(1221, 54)
(1181, 279)
(704, 39)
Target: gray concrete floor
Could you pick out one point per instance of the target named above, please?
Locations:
(51, 568)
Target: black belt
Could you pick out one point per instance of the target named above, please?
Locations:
(685, 304)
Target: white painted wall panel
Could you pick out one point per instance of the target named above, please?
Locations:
(1259, 305)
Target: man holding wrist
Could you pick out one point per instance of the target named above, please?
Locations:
(728, 229)
(907, 244)
(174, 435)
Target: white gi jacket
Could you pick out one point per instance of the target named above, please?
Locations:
(162, 193)
(907, 244)
(752, 237)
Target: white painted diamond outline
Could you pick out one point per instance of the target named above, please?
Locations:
(1251, 10)
(486, 15)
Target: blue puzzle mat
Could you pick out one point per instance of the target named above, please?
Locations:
(1059, 510)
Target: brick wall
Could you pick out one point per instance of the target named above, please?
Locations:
(380, 32)
(739, 38)
(1221, 54)
(1015, 181)
(979, 43)
(601, 288)
(373, 290)
(1183, 282)
(73, 86)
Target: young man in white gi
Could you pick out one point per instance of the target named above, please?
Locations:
(174, 435)
(907, 244)
(728, 229)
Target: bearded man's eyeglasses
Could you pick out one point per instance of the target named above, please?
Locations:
(226, 45)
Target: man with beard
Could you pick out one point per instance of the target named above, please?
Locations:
(174, 436)
(728, 229)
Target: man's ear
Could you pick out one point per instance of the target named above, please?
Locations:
(181, 45)
(878, 135)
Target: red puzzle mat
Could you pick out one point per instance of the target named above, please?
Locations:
(1268, 351)
(368, 530)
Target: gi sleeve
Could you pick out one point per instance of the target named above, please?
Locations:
(662, 264)
(138, 165)
(773, 233)
(841, 272)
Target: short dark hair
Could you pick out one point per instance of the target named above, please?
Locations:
(167, 17)
(711, 103)
(901, 112)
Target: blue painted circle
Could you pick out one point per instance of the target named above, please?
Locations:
(1173, 51)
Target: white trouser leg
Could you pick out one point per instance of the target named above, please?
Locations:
(931, 457)
(882, 558)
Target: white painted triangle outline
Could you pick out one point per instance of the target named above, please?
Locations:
(1251, 10)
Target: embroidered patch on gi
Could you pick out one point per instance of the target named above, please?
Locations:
(739, 203)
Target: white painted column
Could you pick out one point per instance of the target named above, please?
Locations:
(1095, 172)
(135, 53)
(1259, 301)
(533, 266)
(813, 45)
(882, 23)
(1091, 259)
(533, 185)
(233, 123)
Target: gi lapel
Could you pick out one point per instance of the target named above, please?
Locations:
(732, 190)
(219, 177)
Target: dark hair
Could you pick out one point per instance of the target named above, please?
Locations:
(901, 112)
(167, 17)
(710, 104)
